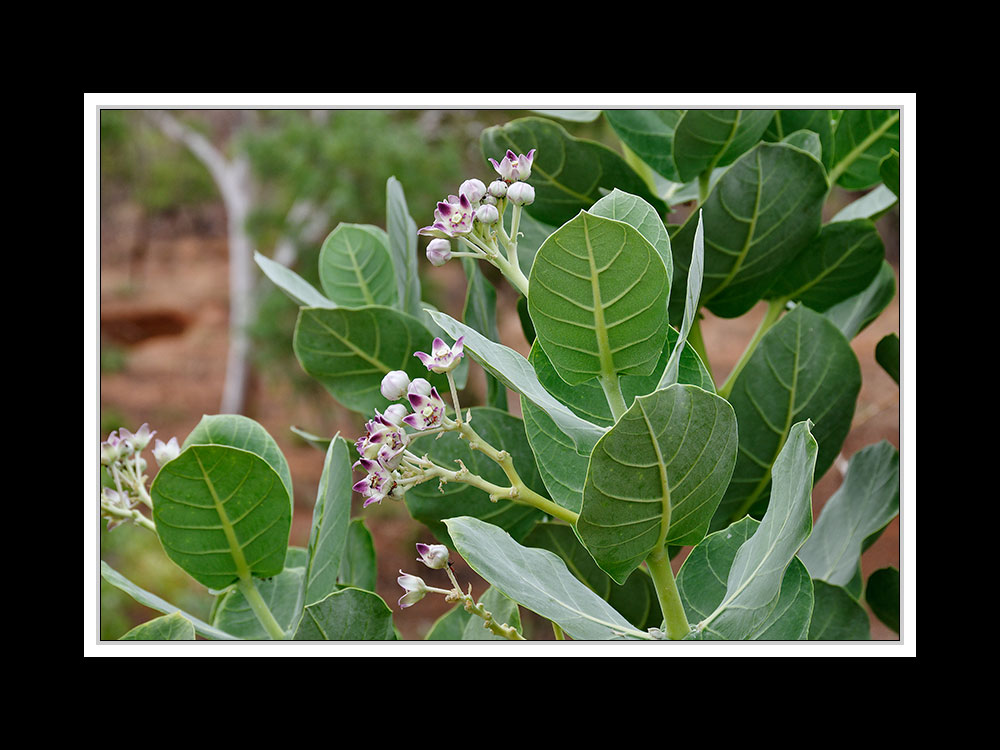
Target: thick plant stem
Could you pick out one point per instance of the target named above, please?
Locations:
(613, 392)
(260, 609)
(703, 183)
(675, 621)
(770, 318)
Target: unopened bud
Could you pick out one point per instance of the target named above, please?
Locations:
(521, 194)
(498, 188)
(419, 386)
(395, 413)
(438, 252)
(434, 556)
(488, 215)
(394, 384)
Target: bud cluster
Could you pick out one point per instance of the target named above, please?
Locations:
(388, 464)
(475, 215)
(121, 455)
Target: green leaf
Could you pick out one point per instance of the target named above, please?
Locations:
(222, 514)
(708, 138)
(538, 580)
(882, 595)
(283, 596)
(533, 234)
(152, 601)
(855, 313)
(696, 270)
(649, 133)
(356, 268)
(570, 115)
(803, 368)
(242, 432)
(864, 504)
(568, 174)
(701, 582)
(642, 217)
(330, 521)
(294, 286)
(172, 627)
(820, 121)
(402, 245)
(358, 564)
(761, 213)
(350, 351)
(450, 626)
(350, 614)
(862, 139)
(597, 298)
(517, 374)
(837, 616)
(840, 261)
(887, 355)
(657, 477)
(636, 600)
(754, 582)
(889, 171)
(430, 504)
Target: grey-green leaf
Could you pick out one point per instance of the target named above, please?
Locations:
(837, 616)
(355, 267)
(504, 611)
(702, 580)
(864, 504)
(708, 138)
(152, 601)
(402, 245)
(597, 298)
(294, 286)
(283, 596)
(538, 580)
(350, 614)
(855, 313)
(754, 225)
(172, 627)
(350, 351)
(358, 566)
(753, 585)
(657, 477)
(330, 521)
(803, 368)
(569, 174)
(222, 514)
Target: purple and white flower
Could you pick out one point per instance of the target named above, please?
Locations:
(394, 385)
(438, 251)
(377, 484)
(453, 218)
(443, 358)
(514, 167)
(428, 411)
(434, 556)
(112, 449)
(414, 587)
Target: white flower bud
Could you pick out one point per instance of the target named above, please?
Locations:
(395, 413)
(472, 189)
(488, 215)
(419, 386)
(167, 451)
(498, 188)
(434, 556)
(394, 385)
(438, 251)
(521, 194)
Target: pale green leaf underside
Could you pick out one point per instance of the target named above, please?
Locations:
(283, 596)
(597, 298)
(855, 313)
(402, 245)
(538, 580)
(330, 521)
(222, 514)
(657, 476)
(294, 286)
(172, 627)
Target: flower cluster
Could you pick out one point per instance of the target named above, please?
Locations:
(388, 465)
(475, 216)
(121, 455)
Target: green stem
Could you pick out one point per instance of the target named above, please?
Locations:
(558, 632)
(613, 392)
(130, 515)
(774, 310)
(854, 153)
(676, 623)
(501, 629)
(260, 609)
(703, 182)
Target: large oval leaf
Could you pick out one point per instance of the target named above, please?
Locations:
(819, 121)
(347, 615)
(355, 267)
(803, 368)
(569, 174)
(708, 138)
(222, 514)
(350, 351)
(760, 214)
(597, 298)
(649, 133)
(657, 477)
